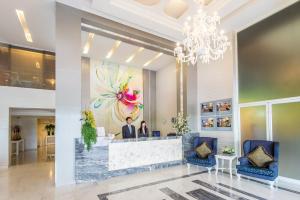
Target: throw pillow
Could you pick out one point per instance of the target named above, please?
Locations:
(203, 150)
(259, 157)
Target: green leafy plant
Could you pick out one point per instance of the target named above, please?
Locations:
(180, 124)
(228, 150)
(50, 129)
(88, 129)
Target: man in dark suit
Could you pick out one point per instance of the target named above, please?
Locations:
(128, 131)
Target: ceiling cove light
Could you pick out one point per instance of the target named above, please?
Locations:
(114, 48)
(203, 40)
(135, 53)
(148, 2)
(153, 59)
(88, 43)
(176, 8)
(24, 25)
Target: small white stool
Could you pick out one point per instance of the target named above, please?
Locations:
(224, 157)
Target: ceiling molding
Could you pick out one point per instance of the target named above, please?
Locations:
(154, 46)
(148, 2)
(175, 8)
(148, 14)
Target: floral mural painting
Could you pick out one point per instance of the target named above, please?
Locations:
(116, 91)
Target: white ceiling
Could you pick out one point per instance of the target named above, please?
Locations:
(100, 46)
(40, 15)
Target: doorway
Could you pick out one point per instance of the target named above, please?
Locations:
(32, 136)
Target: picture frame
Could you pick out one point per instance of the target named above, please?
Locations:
(223, 107)
(208, 123)
(224, 123)
(216, 115)
(208, 108)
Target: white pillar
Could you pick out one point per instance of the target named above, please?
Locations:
(4, 136)
(68, 91)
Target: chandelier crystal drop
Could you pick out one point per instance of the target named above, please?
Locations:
(203, 40)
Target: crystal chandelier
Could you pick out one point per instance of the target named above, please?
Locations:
(203, 41)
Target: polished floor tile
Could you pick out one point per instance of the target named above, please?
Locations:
(33, 179)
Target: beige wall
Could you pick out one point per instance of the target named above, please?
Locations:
(215, 81)
(41, 131)
(166, 98)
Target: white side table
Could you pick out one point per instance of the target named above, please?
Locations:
(17, 143)
(224, 157)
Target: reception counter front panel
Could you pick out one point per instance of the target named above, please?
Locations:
(129, 154)
(109, 158)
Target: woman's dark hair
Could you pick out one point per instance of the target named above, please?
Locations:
(141, 126)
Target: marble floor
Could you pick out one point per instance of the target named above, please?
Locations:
(35, 181)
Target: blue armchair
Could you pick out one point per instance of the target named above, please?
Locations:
(269, 173)
(210, 161)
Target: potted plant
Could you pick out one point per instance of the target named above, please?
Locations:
(228, 150)
(16, 133)
(50, 129)
(88, 129)
(180, 124)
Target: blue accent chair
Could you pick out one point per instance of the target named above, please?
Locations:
(269, 173)
(210, 161)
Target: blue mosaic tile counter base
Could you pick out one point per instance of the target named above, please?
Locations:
(92, 166)
(187, 143)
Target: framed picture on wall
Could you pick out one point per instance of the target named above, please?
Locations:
(224, 107)
(208, 123)
(216, 115)
(208, 108)
(224, 123)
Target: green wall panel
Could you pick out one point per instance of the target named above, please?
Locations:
(269, 57)
(253, 123)
(286, 130)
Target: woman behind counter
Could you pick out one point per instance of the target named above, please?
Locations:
(143, 130)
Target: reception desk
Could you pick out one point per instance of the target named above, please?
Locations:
(111, 157)
(124, 154)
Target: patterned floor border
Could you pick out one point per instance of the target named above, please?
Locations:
(198, 193)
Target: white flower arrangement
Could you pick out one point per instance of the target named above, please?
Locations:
(180, 124)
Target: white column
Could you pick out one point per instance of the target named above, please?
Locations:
(68, 92)
(4, 136)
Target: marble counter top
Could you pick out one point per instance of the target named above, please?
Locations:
(144, 139)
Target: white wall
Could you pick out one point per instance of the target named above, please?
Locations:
(166, 98)
(28, 127)
(13, 97)
(215, 81)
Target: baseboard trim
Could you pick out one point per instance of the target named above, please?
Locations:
(4, 165)
(289, 180)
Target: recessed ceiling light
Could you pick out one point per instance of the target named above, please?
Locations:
(24, 25)
(152, 59)
(134, 54)
(88, 43)
(114, 48)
